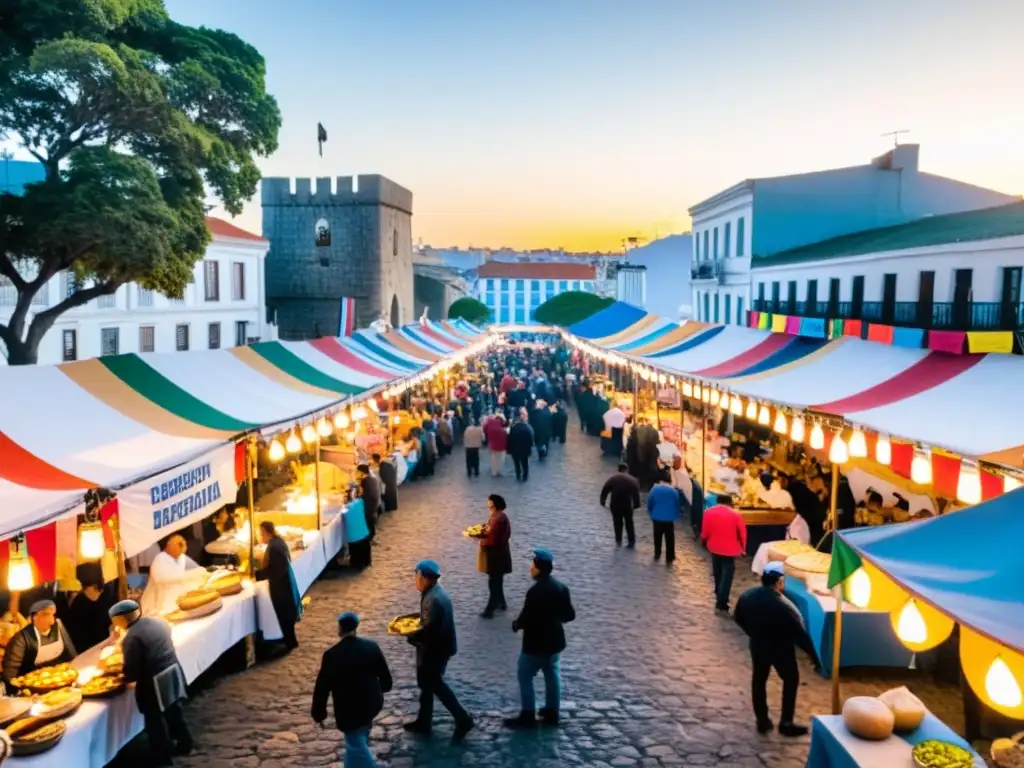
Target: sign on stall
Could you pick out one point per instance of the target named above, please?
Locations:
(166, 503)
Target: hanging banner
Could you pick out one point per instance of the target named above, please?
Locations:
(793, 325)
(154, 508)
(912, 338)
(764, 321)
(778, 323)
(853, 328)
(1000, 342)
(946, 341)
(813, 327)
(881, 334)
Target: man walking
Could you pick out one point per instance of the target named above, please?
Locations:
(497, 442)
(435, 644)
(663, 506)
(520, 445)
(355, 675)
(472, 439)
(724, 533)
(776, 629)
(622, 492)
(546, 608)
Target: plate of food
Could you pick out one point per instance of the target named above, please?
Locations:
(475, 531)
(103, 686)
(935, 753)
(1009, 753)
(54, 704)
(111, 660)
(47, 678)
(34, 735)
(404, 625)
(13, 708)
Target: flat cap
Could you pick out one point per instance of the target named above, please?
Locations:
(429, 568)
(123, 608)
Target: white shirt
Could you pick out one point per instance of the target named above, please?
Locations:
(169, 579)
(775, 497)
(799, 530)
(614, 418)
(667, 452)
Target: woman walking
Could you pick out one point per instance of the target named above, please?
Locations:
(495, 558)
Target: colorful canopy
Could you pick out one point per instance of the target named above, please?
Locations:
(966, 564)
(108, 421)
(957, 402)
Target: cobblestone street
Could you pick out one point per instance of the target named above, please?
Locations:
(652, 675)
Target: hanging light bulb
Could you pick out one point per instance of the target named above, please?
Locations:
(817, 437)
(1010, 483)
(723, 402)
(308, 434)
(764, 417)
(372, 402)
(858, 588)
(1002, 686)
(697, 392)
(662, 378)
(883, 450)
(359, 413)
(968, 486)
(324, 428)
(838, 453)
(716, 397)
(293, 444)
(91, 545)
(910, 626)
(341, 420)
(687, 389)
(781, 426)
(921, 467)
(705, 395)
(396, 419)
(751, 410)
(19, 571)
(672, 380)
(858, 445)
(796, 433)
(276, 450)
(736, 406)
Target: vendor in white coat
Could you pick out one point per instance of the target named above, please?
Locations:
(171, 574)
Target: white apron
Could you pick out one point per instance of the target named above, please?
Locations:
(50, 652)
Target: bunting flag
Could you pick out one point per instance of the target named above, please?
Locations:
(835, 328)
(753, 319)
(812, 326)
(347, 316)
(947, 341)
(853, 328)
(882, 334)
(764, 321)
(778, 323)
(912, 338)
(793, 325)
(981, 342)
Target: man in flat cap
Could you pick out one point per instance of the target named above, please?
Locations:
(435, 645)
(355, 675)
(776, 629)
(546, 608)
(43, 643)
(151, 662)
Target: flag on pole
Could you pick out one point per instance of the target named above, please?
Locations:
(321, 137)
(347, 316)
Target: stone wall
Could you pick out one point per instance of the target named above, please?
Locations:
(369, 256)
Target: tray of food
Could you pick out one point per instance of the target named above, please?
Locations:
(935, 753)
(804, 564)
(111, 660)
(475, 531)
(13, 708)
(404, 625)
(56, 704)
(103, 686)
(47, 678)
(1009, 753)
(34, 735)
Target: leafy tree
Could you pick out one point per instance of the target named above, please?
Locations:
(134, 118)
(571, 307)
(470, 310)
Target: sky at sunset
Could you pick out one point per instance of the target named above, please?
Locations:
(576, 123)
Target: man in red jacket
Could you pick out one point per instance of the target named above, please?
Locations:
(497, 442)
(724, 533)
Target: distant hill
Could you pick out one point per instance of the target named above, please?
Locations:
(668, 273)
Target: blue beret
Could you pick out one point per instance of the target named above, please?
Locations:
(543, 556)
(41, 605)
(348, 621)
(774, 567)
(122, 608)
(429, 568)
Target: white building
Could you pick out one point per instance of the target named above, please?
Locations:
(666, 269)
(761, 217)
(224, 306)
(960, 271)
(514, 290)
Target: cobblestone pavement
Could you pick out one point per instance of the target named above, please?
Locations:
(652, 675)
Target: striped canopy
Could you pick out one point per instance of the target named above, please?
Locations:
(957, 402)
(108, 421)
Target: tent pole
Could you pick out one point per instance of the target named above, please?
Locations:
(316, 467)
(250, 473)
(122, 574)
(703, 449)
(636, 396)
(837, 636)
(657, 406)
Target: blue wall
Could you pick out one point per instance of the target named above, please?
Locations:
(15, 174)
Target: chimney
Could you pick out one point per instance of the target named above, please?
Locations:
(903, 157)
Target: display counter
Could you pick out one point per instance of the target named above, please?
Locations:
(833, 746)
(765, 525)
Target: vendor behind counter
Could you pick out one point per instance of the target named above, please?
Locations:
(43, 643)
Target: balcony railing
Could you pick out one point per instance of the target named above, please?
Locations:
(944, 316)
(705, 270)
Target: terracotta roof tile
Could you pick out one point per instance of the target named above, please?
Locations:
(537, 270)
(222, 228)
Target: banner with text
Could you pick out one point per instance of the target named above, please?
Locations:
(157, 507)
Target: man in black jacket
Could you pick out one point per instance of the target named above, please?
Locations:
(520, 445)
(388, 473)
(776, 629)
(546, 608)
(277, 572)
(624, 491)
(355, 675)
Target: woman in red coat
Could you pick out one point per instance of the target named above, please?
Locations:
(496, 554)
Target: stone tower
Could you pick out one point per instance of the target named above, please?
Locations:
(354, 241)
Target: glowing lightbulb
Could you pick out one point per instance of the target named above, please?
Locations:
(859, 588)
(737, 406)
(687, 389)
(921, 468)
(90, 541)
(308, 434)
(293, 444)
(1010, 483)
(838, 453)
(324, 428)
(968, 486)
(780, 423)
(764, 417)
(359, 413)
(858, 445)
(817, 437)
(341, 420)
(715, 397)
(723, 402)
(396, 419)
(19, 574)
(1001, 686)
(697, 392)
(796, 433)
(662, 378)
(373, 405)
(910, 627)
(276, 451)
(705, 395)
(751, 410)
(883, 450)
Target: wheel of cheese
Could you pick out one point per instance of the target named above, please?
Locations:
(197, 599)
(802, 565)
(196, 613)
(907, 709)
(780, 551)
(228, 584)
(868, 718)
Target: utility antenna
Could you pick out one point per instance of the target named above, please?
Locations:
(896, 135)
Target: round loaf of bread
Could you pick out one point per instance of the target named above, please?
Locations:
(197, 599)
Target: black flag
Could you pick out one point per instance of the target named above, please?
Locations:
(321, 137)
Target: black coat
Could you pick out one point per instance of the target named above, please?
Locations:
(88, 621)
(356, 676)
(148, 650)
(559, 421)
(624, 493)
(774, 626)
(435, 641)
(389, 479)
(276, 571)
(520, 439)
(546, 608)
(541, 426)
(810, 508)
(20, 657)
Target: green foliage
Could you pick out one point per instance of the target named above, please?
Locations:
(571, 307)
(470, 310)
(135, 118)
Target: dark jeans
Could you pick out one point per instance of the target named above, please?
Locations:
(430, 679)
(542, 451)
(722, 568)
(496, 592)
(473, 462)
(666, 531)
(522, 465)
(624, 518)
(787, 670)
(167, 732)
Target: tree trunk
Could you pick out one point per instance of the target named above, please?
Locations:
(22, 354)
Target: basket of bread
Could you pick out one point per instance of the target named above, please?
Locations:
(805, 564)
(404, 625)
(196, 604)
(47, 678)
(34, 735)
(780, 551)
